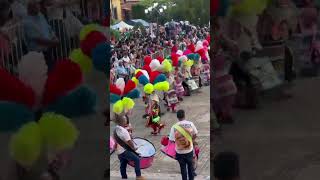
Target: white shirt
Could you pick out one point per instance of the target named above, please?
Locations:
(124, 135)
(184, 124)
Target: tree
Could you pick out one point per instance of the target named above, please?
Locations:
(138, 11)
(196, 12)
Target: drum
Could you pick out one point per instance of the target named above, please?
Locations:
(146, 150)
(170, 151)
(112, 145)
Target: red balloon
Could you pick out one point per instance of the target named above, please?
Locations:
(192, 48)
(147, 60)
(201, 52)
(175, 60)
(139, 74)
(91, 41)
(114, 89)
(187, 51)
(147, 68)
(153, 75)
(208, 39)
(65, 77)
(160, 59)
(205, 43)
(13, 90)
(174, 49)
(129, 86)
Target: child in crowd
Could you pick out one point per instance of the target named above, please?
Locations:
(153, 119)
(224, 91)
(179, 88)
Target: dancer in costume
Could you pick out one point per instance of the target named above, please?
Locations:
(154, 119)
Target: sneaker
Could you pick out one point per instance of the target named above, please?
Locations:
(140, 178)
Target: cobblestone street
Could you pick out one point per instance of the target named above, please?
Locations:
(197, 111)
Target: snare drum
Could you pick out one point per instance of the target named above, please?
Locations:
(146, 150)
(170, 150)
(112, 145)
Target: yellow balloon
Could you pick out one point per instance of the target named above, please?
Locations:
(58, 132)
(88, 29)
(118, 107)
(83, 60)
(128, 103)
(136, 71)
(148, 88)
(167, 67)
(162, 86)
(135, 80)
(25, 146)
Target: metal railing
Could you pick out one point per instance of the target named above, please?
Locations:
(85, 11)
(11, 54)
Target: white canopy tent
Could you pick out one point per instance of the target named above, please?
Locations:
(143, 22)
(121, 25)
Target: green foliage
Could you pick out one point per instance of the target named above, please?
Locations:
(195, 11)
(138, 11)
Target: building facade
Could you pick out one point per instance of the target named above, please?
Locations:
(126, 6)
(116, 9)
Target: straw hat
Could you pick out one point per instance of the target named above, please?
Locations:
(155, 97)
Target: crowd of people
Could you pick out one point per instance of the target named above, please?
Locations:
(48, 26)
(130, 54)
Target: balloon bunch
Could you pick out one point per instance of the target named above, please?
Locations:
(94, 49)
(58, 91)
(151, 76)
(53, 132)
(122, 95)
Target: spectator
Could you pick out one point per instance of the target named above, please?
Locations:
(38, 34)
(122, 71)
(226, 166)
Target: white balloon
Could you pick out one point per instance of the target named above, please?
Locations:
(198, 47)
(33, 71)
(120, 83)
(145, 73)
(155, 65)
(183, 58)
(179, 52)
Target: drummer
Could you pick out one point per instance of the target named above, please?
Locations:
(126, 148)
(184, 148)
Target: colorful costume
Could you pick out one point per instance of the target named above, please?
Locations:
(153, 118)
(224, 91)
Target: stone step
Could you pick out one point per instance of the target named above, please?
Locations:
(115, 175)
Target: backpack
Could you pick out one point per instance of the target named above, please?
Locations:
(183, 138)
